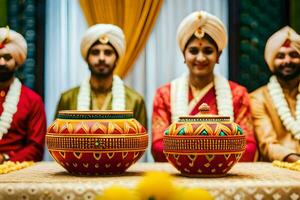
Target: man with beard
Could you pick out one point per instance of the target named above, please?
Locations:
(276, 106)
(101, 47)
(23, 119)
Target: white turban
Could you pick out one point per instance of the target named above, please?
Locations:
(14, 43)
(104, 33)
(277, 40)
(199, 23)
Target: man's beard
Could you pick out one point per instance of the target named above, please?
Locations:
(102, 74)
(278, 72)
(5, 74)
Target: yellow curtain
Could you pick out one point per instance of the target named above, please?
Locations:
(135, 17)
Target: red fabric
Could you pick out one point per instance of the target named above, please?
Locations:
(287, 43)
(161, 117)
(26, 137)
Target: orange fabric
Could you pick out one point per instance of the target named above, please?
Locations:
(161, 117)
(136, 18)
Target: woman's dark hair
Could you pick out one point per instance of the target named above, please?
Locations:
(207, 37)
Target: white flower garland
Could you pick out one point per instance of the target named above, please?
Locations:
(281, 105)
(118, 94)
(179, 97)
(10, 106)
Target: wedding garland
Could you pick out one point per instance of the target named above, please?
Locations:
(292, 166)
(9, 166)
(281, 105)
(179, 97)
(118, 94)
(10, 106)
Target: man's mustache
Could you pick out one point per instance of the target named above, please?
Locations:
(290, 65)
(295, 71)
(101, 63)
(4, 68)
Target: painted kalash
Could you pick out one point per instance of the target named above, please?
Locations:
(96, 142)
(204, 145)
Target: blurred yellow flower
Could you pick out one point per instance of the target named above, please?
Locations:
(156, 186)
(193, 194)
(116, 193)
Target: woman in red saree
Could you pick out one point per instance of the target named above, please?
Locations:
(201, 38)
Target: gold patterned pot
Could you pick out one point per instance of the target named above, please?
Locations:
(204, 145)
(96, 142)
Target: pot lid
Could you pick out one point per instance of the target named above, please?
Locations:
(95, 114)
(204, 116)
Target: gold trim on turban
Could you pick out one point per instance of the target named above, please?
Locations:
(104, 33)
(198, 23)
(277, 40)
(14, 43)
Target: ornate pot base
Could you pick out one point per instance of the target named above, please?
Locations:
(204, 156)
(203, 165)
(83, 163)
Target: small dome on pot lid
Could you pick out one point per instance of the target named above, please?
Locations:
(204, 115)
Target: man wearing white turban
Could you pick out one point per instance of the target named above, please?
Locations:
(276, 106)
(23, 118)
(201, 37)
(101, 47)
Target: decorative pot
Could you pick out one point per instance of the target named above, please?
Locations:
(204, 145)
(96, 142)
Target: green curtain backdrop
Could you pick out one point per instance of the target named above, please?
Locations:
(252, 23)
(3, 13)
(28, 18)
(295, 15)
(21, 19)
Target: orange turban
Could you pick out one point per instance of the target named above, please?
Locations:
(14, 43)
(277, 40)
(104, 33)
(198, 23)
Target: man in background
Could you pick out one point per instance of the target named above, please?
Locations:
(101, 47)
(276, 106)
(23, 119)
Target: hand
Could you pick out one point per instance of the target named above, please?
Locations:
(292, 158)
(1, 158)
